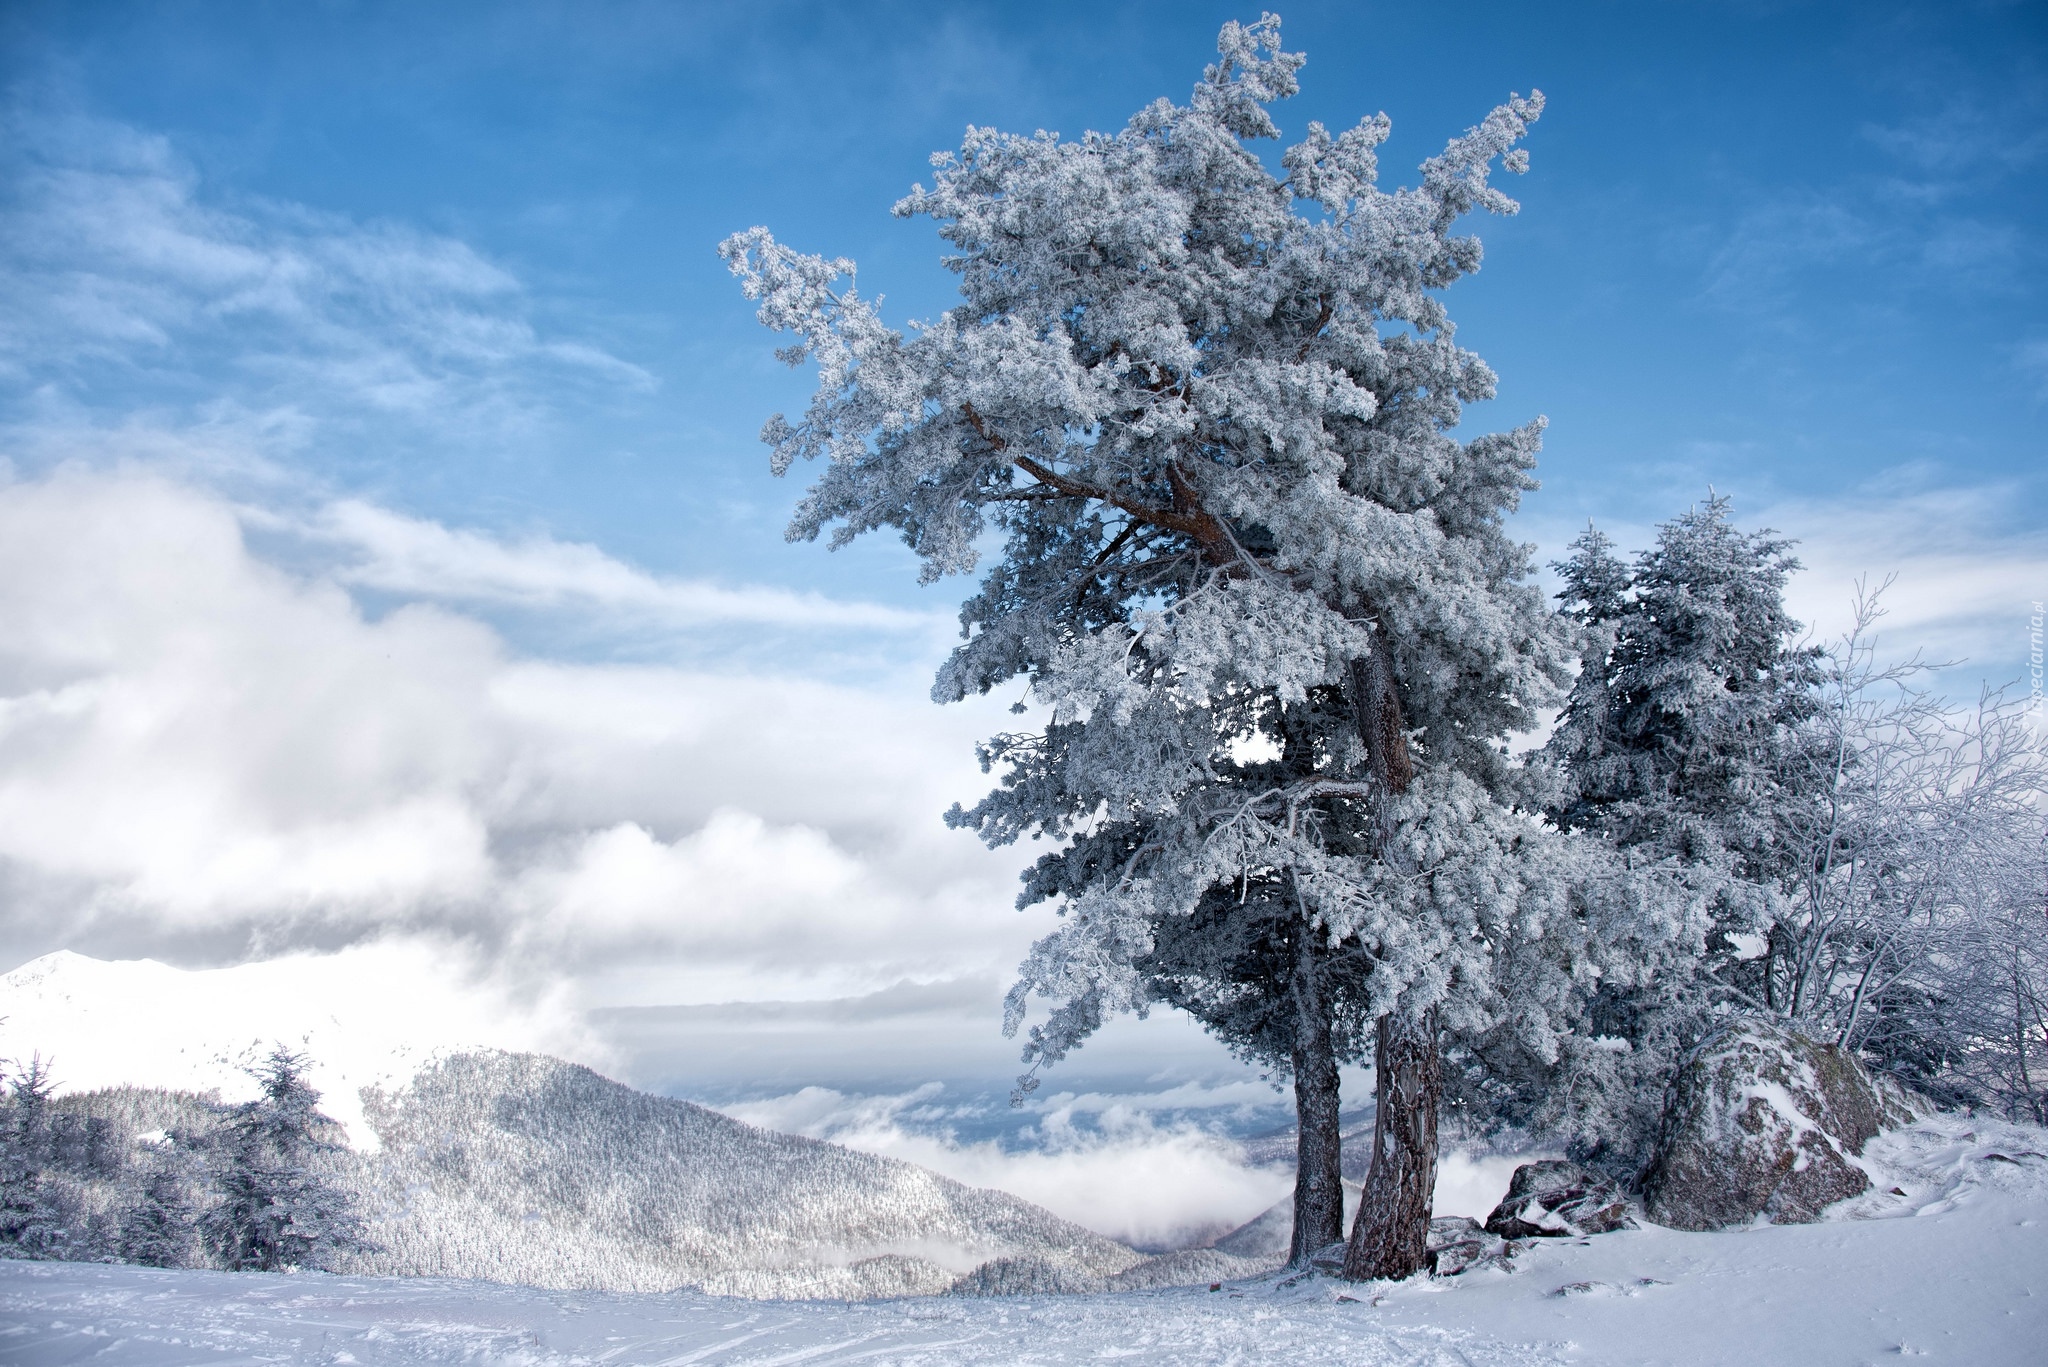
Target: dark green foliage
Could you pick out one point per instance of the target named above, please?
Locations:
(1229, 963)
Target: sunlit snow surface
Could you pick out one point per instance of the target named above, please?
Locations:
(1954, 1271)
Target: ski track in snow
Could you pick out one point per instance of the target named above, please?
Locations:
(1955, 1270)
(72, 1313)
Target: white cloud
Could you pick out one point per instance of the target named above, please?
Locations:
(202, 754)
(1964, 576)
(415, 557)
(1132, 1165)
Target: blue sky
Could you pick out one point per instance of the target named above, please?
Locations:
(387, 557)
(1789, 249)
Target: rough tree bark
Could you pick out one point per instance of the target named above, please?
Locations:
(1319, 1163)
(1391, 1235)
(1390, 1238)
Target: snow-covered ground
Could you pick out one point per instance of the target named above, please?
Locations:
(1955, 1270)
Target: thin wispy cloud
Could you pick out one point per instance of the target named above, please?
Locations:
(1964, 136)
(1938, 214)
(118, 271)
(421, 558)
(2030, 359)
(1962, 567)
(1962, 574)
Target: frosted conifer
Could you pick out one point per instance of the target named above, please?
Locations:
(159, 1230)
(1680, 743)
(34, 1216)
(276, 1209)
(1680, 732)
(1264, 596)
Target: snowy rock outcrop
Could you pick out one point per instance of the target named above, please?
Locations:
(1459, 1243)
(1554, 1197)
(1762, 1121)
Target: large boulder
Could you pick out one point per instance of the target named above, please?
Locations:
(1556, 1198)
(1765, 1122)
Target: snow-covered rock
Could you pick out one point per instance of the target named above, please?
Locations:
(1459, 1243)
(1765, 1122)
(1554, 1197)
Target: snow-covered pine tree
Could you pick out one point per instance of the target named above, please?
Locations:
(1682, 741)
(34, 1219)
(1871, 851)
(1679, 731)
(276, 1209)
(1264, 594)
(161, 1228)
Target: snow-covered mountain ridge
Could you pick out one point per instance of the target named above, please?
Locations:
(527, 1170)
(521, 1168)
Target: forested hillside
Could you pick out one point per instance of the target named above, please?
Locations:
(519, 1168)
(525, 1169)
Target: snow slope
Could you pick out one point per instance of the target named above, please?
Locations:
(1954, 1271)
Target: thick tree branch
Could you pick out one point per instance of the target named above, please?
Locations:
(1187, 517)
(1323, 317)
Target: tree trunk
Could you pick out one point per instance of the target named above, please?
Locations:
(1376, 705)
(1391, 1236)
(1319, 1166)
